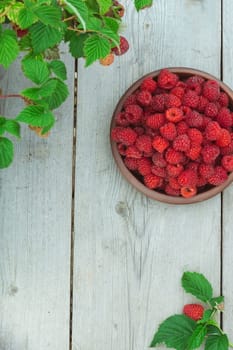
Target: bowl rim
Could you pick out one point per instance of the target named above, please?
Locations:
(126, 172)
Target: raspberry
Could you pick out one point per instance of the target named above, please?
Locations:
(167, 80)
(158, 103)
(122, 149)
(148, 84)
(130, 100)
(188, 191)
(201, 181)
(193, 166)
(181, 143)
(195, 79)
(182, 128)
(194, 311)
(227, 163)
(161, 172)
(121, 119)
(228, 149)
(211, 110)
(174, 170)
(224, 117)
(181, 84)
(194, 119)
(194, 151)
(152, 181)
(151, 132)
(174, 183)
(218, 177)
(178, 91)
(155, 121)
(144, 143)
(194, 85)
(174, 157)
(212, 131)
(224, 139)
(172, 101)
(187, 177)
(133, 152)
(211, 90)
(134, 113)
(210, 153)
(144, 98)
(186, 110)
(223, 99)
(190, 99)
(195, 136)
(168, 131)
(131, 163)
(171, 191)
(205, 170)
(120, 8)
(174, 114)
(144, 166)
(108, 60)
(158, 160)
(127, 136)
(203, 101)
(139, 130)
(123, 47)
(206, 121)
(160, 144)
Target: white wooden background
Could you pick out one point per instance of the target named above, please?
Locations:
(127, 253)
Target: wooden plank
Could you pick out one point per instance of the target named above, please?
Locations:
(227, 258)
(130, 251)
(35, 208)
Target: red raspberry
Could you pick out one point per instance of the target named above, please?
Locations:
(206, 121)
(127, 136)
(187, 177)
(134, 113)
(194, 311)
(218, 177)
(123, 47)
(182, 128)
(203, 101)
(194, 151)
(168, 131)
(211, 90)
(224, 139)
(211, 110)
(171, 191)
(227, 163)
(161, 172)
(174, 157)
(133, 152)
(228, 149)
(201, 181)
(210, 153)
(174, 170)
(139, 130)
(193, 166)
(188, 191)
(181, 143)
(224, 117)
(212, 131)
(144, 97)
(194, 85)
(158, 160)
(158, 103)
(223, 99)
(195, 136)
(121, 119)
(160, 144)
(152, 181)
(186, 110)
(167, 79)
(144, 143)
(174, 183)
(130, 100)
(131, 163)
(148, 110)
(148, 84)
(195, 79)
(122, 149)
(144, 166)
(178, 91)
(151, 132)
(155, 121)
(194, 119)
(181, 84)
(190, 99)
(174, 114)
(172, 101)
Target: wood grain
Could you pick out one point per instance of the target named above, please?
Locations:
(130, 252)
(35, 207)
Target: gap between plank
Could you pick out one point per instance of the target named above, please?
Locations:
(73, 202)
(221, 228)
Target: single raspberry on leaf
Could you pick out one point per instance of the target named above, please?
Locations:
(212, 131)
(133, 152)
(206, 170)
(210, 153)
(160, 144)
(223, 99)
(172, 101)
(211, 110)
(211, 90)
(155, 121)
(224, 138)
(168, 131)
(167, 80)
(224, 117)
(144, 98)
(174, 114)
(190, 99)
(127, 136)
(158, 103)
(156, 170)
(174, 157)
(188, 178)
(108, 60)
(121, 119)
(152, 181)
(174, 170)
(171, 191)
(194, 119)
(188, 191)
(158, 159)
(218, 177)
(195, 136)
(144, 166)
(227, 163)
(181, 143)
(123, 47)
(134, 113)
(144, 143)
(131, 163)
(148, 84)
(194, 311)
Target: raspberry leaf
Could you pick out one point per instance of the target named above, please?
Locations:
(196, 284)
(175, 332)
(58, 68)
(35, 70)
(36, 116)
(44, 36)
(197, 337)
(96, 47)
(217, 342)
(206, 316)
(104, 6)
(216, 301)
(26, 18)
(12, 127)
(6, 152)
(49, 15)
(9, 48)
(77, 44)
(141, 4)
(59, 94)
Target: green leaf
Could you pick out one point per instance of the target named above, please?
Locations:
(12, 127)
(197, 337)
(35, 70)
(59, 94)
(216, 301)
(96, 47)
(44, 37)
(141, 4)
(196, 284)
(2, 123)
(77, 45)
(104, 6)
(49, 15)
(6, 152)
(32, 93)
(59, 69)
(206, 316)
(112, 24)
(9, 48)
(174, 332)
(78, 8)
(36, 116)
(13, 13)
(47, 128)
(217, 342)
(26, 18)
(213, 330)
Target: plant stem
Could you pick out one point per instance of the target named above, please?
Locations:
(11, 95)
(231, 345)
(69, 18)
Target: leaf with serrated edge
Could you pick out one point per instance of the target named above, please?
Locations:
(35, 70)
(12, 127)
(197, 337)
(206, 316)
(196, 284)
(26, 18)
(141, 4)
(44, 37)
(217, 342)
(59, 69)
(35, 116)
(6, 152)
(95, 48)
(49, 15)
(104, 6)
(77, 45)
(9, 48)
(13, 12)
(59, 94)
(174, 332)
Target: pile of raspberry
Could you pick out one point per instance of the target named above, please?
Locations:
(176, 136)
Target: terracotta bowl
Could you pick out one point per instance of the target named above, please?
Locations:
(133, 180)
